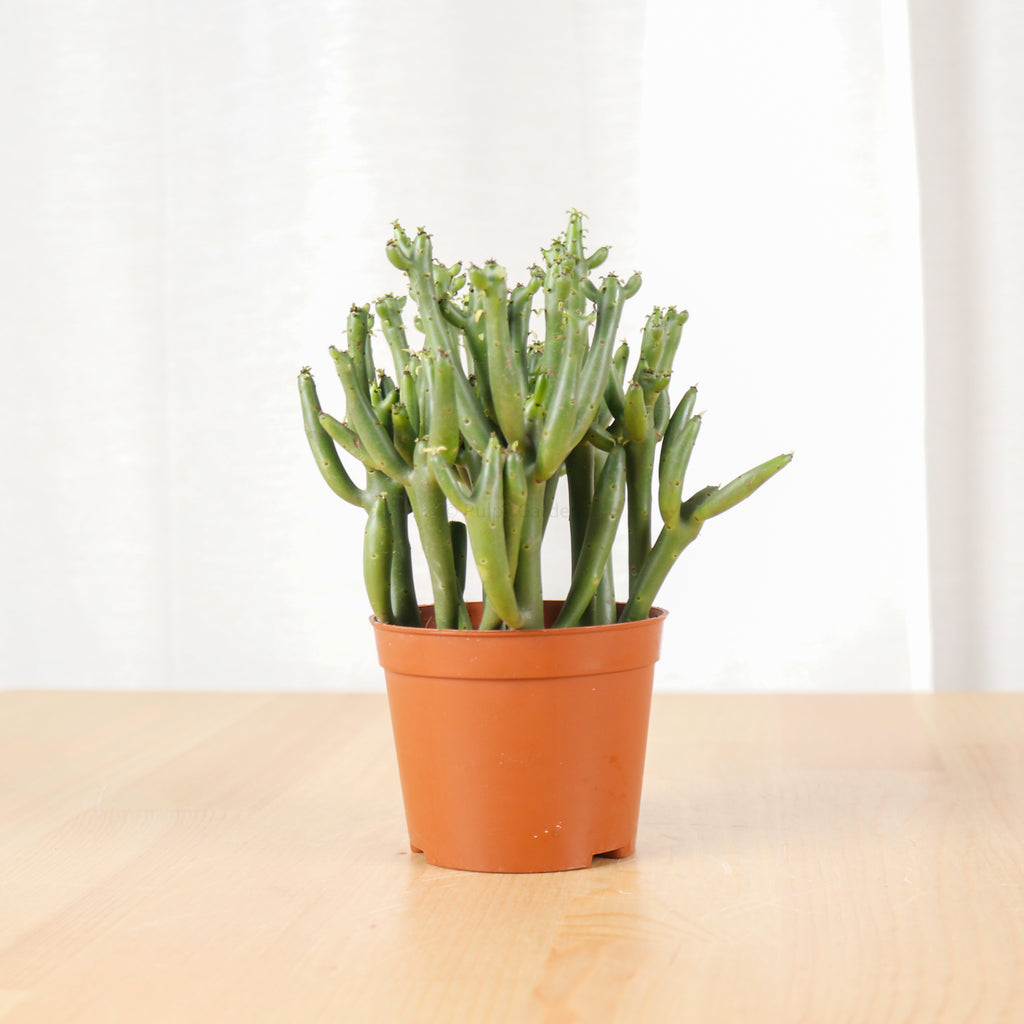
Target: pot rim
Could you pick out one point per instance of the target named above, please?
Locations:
(506, 635)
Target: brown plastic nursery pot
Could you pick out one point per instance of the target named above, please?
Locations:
(520, 750)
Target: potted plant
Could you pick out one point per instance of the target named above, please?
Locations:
(520, 724)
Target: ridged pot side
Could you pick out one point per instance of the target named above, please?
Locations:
(521, 751)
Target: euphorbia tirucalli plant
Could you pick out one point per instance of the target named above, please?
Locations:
(486, 415)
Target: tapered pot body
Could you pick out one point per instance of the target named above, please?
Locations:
(521, 750)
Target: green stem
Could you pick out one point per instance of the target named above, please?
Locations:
(424, 293)
(377, 557)
(485, 521)
(639, 469)
(515, 506)
(403, 588)
(322, 446)
(675, 456)
(389, 311)
(528, 582)
(430, 509)
(580, 477)
(459, 552)
(601, 611)
(602, 608)
(603, 521)
(693, 513)
(668, 547)
(360, 323)
(555, 440)
(375, 439)
(505, 367)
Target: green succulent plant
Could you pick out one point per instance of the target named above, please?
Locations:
(485, 417)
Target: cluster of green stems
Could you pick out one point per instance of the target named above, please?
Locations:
(486, 416)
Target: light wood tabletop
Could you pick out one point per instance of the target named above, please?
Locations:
(242, 858)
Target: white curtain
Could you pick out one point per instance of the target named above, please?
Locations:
(195, 194)
(969, 96)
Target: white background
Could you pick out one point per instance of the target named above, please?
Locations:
(195, 193)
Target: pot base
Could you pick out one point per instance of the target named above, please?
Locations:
(562, 864)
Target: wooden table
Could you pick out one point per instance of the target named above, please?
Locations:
(242, 858)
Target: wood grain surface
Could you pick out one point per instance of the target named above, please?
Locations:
(237, 858)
